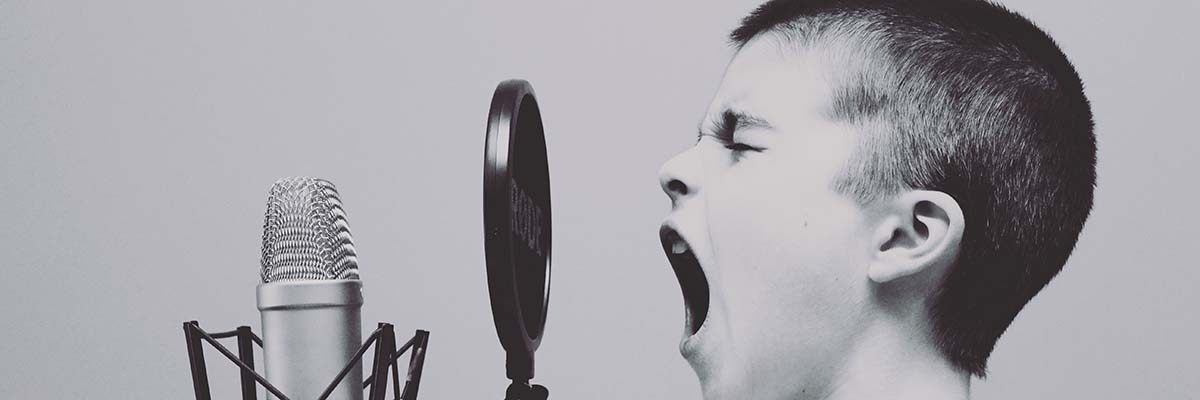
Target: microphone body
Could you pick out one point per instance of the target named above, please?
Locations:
(310, 296)
(311, 330)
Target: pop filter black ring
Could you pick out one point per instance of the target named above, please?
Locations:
(516, 205)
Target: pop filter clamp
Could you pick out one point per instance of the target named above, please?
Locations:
(516, 217)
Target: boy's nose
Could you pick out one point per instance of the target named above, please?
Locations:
(680, 176)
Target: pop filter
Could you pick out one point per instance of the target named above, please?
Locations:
(516, 217)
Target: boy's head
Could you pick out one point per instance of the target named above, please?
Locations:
(868, 167)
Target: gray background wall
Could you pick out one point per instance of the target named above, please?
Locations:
(138, 139)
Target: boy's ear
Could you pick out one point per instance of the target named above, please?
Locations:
(917, 231)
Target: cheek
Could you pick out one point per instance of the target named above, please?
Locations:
(784, 245)
(772, 223)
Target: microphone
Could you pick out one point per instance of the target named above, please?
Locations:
(310, 297)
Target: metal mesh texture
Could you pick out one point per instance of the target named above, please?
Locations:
(305, 235)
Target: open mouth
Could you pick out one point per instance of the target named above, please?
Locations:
(690, 275)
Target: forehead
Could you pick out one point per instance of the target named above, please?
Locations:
(776, 80)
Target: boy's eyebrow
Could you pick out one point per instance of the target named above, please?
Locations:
(732, 120)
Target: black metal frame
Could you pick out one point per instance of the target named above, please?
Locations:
(386, 357)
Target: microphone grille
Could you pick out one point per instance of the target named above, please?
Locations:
(305, 235)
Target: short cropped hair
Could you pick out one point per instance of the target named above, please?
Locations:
(970, 99)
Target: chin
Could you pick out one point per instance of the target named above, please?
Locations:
(712, 384)
(710, 390)
(724, 389)
(738, 382)
(721, 381)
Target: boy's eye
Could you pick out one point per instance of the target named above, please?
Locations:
(740, 147)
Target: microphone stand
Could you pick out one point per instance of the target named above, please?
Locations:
(519, 369)
(522, 390)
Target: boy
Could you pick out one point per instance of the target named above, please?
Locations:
(877, 189)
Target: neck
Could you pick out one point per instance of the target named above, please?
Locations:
(894, 362)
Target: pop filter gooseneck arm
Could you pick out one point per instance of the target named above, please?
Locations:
(516, 216)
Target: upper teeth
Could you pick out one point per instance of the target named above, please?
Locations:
(679, 247)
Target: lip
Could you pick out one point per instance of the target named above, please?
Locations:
(692, 281)
(690, 346)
